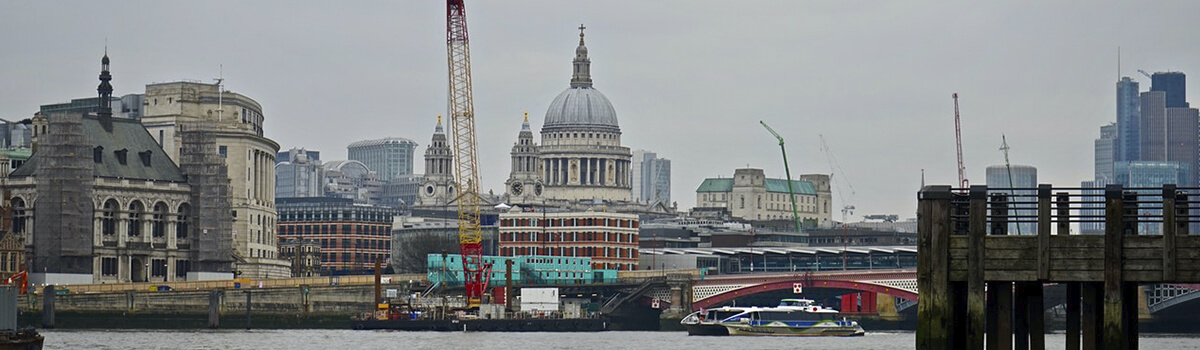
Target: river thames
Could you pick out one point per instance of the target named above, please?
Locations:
(348, 339)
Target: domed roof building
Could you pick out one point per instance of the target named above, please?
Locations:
(580, 156)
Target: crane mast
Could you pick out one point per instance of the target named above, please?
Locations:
(962, 170)
(462, 128)
(788, 171)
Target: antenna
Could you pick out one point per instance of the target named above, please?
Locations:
(220, 90)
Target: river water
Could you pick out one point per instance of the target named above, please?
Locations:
(348, 339)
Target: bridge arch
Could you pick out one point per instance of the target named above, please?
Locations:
(721, 298)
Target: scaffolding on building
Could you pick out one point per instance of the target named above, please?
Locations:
(211, 224)
(62, 242)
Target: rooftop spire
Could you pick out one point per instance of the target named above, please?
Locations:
(582, 76)
(438, 128)
(105, 91)
(525, 124)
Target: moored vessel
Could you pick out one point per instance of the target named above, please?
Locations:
(793, 317)
(707, 321)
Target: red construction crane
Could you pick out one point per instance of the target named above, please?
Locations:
(962, 170)
(462, 127)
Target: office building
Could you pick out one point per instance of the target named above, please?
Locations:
(750, 195)
(609, 239)
(1106, 151)
(297, 175)
(1128, 121)
(1025, 178)
(651, 177)
(351, 236)
(390, 157)
(1173, 84)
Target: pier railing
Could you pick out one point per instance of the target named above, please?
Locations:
(984, 254)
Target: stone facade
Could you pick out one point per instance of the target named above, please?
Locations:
(750, 195)
(249, 156)
(580, 156)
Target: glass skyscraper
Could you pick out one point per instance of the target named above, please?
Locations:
(1023, 177)
(390, 157)
(1128, 121)
(1172, 83)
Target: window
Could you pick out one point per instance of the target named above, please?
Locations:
(223, 151)
(108, 221)
(158, 226)
(19, 215)
(136, 210)
(108, 266)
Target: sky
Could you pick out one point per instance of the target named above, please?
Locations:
(690, 80)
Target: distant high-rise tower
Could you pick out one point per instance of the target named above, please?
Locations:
(1172, 83)
(1128, 121)
(1023, 176)
(1169, 134)
(298, 174)
(390, 157)
(1106, 152)
(651, 178)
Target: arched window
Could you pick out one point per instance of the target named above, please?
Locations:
(19, 215)
(136, 209)
(108, 220)
(181, 221)
(158, 223)
(742, 204)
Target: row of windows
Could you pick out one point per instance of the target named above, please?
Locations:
(613, 237)
(540, 222)
(559, 135)
(594, 252)
(369, 230)
(109, 266)
(347, 243)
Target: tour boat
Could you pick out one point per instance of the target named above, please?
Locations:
(793, 317)
(707, 321)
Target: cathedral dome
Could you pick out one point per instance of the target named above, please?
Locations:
(581, 107)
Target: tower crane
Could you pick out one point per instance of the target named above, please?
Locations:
(788, 171)
(962, 170)
(836, 169)
(1008, 166)
(462, 128)
(1146, 74)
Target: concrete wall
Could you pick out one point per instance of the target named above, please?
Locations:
(296, 301)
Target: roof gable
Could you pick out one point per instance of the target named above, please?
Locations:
(129, 137)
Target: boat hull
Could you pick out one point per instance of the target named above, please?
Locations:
(777, 329)
(706, 329)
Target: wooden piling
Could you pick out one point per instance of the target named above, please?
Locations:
(1093, 312)
(976, 302)
(1114, 238)
(48, 307)
(1169, 226)
(1021, 316)
(214, 309)
(934, 309)
(1073, 315)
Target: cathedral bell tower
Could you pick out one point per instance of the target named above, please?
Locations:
(524, 185)
(438, 187)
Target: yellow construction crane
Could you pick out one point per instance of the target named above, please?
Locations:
(466, 174)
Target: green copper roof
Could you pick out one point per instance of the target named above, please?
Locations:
(799, 186)
(18, 154)
(128, 135)
(716, 185)
(773, 185)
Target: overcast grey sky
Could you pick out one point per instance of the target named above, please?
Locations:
(689, 79)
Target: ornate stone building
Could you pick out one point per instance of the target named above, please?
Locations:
(580, 157)
(101, 201)
(750, 195)
(250, 157)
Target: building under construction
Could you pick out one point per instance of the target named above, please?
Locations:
(99, 201)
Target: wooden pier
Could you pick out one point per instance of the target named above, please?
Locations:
(981, 284)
